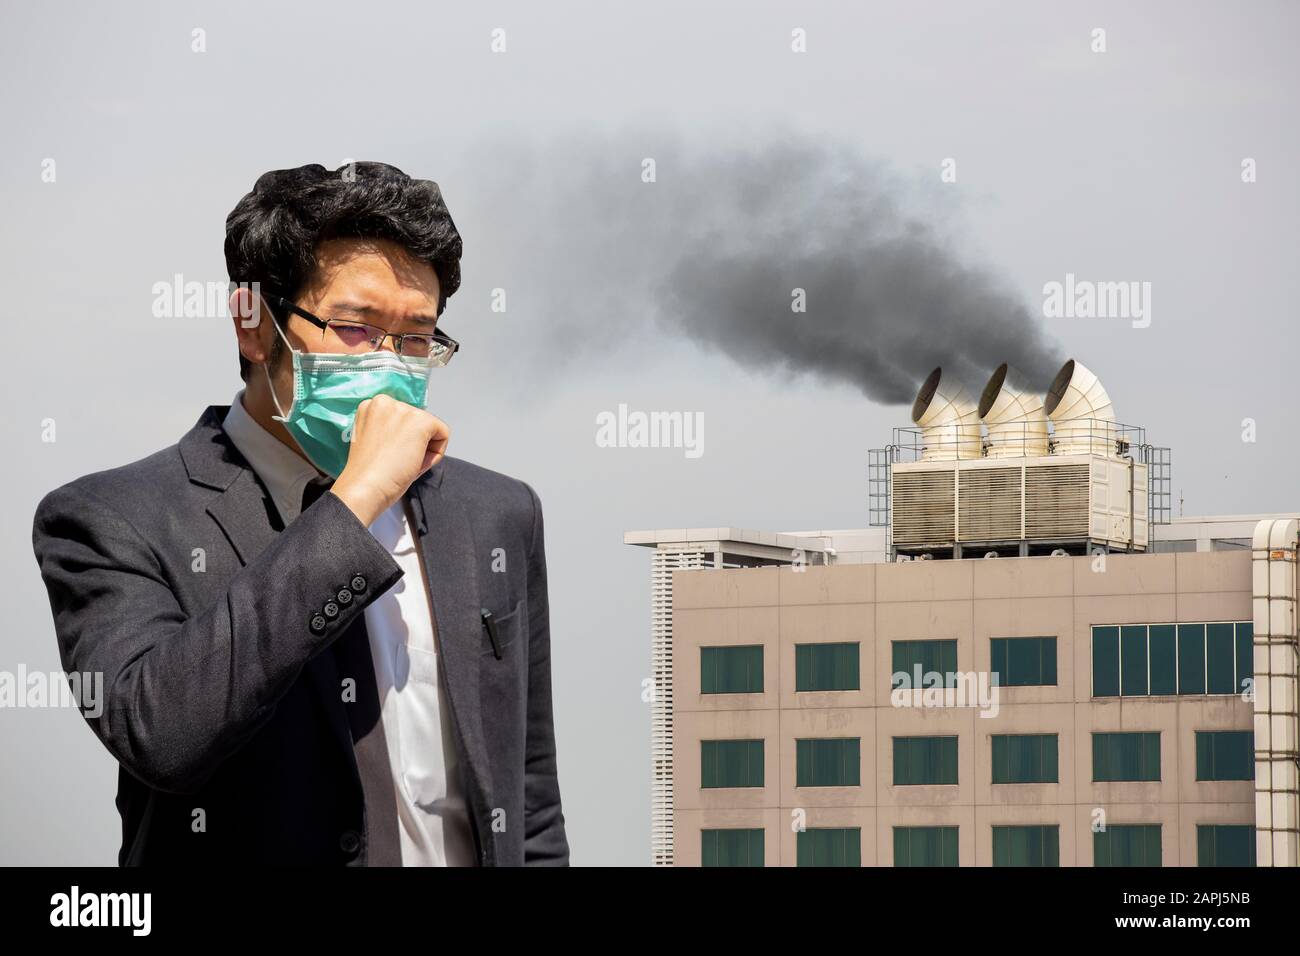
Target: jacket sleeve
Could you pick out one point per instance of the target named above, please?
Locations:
(545, 841)
(182, 693)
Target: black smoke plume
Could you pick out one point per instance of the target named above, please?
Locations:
(714, 247)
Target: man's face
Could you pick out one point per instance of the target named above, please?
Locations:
(375, 282)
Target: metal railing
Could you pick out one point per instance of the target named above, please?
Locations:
(1089, 436)
(1159, 483)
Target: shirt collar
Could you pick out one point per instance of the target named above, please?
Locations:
(284, 472)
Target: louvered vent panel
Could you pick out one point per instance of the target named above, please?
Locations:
(663, 564)
(923, 507)
(989, 501)
(1056, 501)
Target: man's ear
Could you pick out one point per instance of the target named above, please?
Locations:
(246, 311)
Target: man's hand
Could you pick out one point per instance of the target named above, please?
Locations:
(393, 443)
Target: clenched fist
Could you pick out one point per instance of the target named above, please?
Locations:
(393, 443)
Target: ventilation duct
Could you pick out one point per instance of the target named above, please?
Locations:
(949, 421)
(1081, 412)
(1016, 422)
(1277, 695)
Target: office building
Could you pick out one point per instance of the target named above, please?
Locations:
(1029, 662)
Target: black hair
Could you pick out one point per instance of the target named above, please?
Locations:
(274, 231)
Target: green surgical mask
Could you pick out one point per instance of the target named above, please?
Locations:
(328, 387)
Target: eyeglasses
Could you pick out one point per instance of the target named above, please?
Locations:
(354, 337)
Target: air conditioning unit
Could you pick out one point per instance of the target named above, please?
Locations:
(1055, 499)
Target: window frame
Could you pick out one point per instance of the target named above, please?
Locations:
(1006, 643)
(810, 649)
(1043, 827)
(762, 763)
(1211, 737)
(1187, 636)
(1213, 829)
(843, 746)
(1146, 735)
(715, 833)
(716, 649)
(1107, 834)
(956, 762)
(944, 832)
(950, 678)
(1008, 738)
(851, 847)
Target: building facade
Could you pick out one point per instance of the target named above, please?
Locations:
(819, 706)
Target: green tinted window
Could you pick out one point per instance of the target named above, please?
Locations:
(1163, 642)
(826, 667)
(829, 847)
(731, 670)
(1220, 659)
(828, 762)
(1191, 658)
(1026, 846)
(1136, 660)
(1125, 756)
(1219, 845)
(998, 661)
(731, 847)
(925, 846)
(1245, 654)
(1225, 755)
(1023, 661)
(1024, 758)
(1133, 660)
(925, 760)
(930, 656)
(1127, 845)
(731, 763)
(1105, 661)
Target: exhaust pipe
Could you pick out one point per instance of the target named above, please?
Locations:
(1016, 422)
(949, 421)
(1081, 412)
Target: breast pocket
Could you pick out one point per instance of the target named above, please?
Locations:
(500, 632)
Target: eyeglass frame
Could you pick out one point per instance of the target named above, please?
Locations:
(436, 335)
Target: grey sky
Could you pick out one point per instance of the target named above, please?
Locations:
(1116, 166)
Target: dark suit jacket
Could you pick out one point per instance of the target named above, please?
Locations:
(224, 667)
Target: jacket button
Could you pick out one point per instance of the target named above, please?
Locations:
(344, 596)
(330, 610)
(358, 584)
(317, 624)
(350, 842)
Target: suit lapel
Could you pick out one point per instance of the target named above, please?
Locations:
(248, 518)
(448, 551)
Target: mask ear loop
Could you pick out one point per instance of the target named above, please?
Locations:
(283, 416)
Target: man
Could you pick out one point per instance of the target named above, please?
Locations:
(322, 641)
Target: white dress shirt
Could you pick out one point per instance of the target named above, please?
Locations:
(431, 812)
